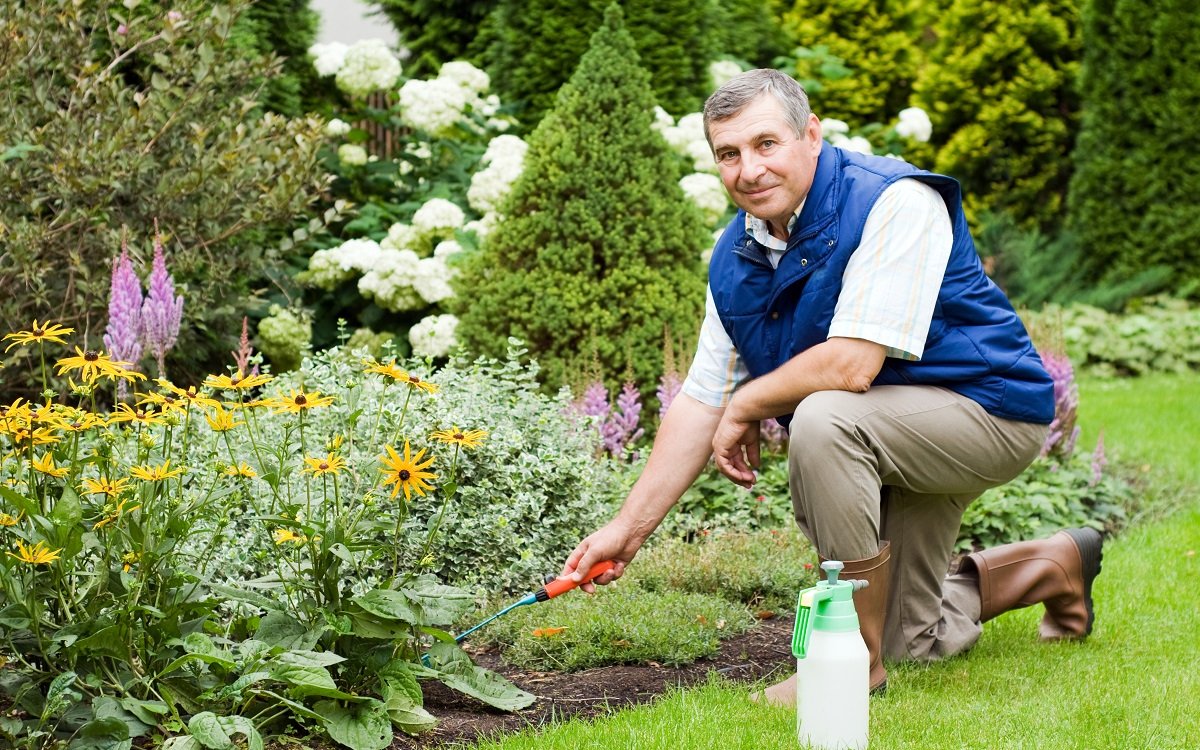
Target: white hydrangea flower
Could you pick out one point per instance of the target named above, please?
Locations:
(434, 336)
(708, 193)
(447, 248)
(349, 153)
(432, 280)
(330, 267)
(336, 127)
(720, 71)
(484, 226)
(662, 119)
(369, 66)
(859, 144)
(914, 123)
(328, 58)
(470, 78)
(505, 159)
(498, 124)
(829, 126)
(389, 282)
(438, 216)
(433, 106)
(401, 236)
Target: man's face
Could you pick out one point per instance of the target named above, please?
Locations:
(766, 167)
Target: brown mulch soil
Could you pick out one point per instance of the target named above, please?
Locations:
(764, 651)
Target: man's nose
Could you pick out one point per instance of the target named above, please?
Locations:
(752, 167)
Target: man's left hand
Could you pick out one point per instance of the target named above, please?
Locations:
(735, 448)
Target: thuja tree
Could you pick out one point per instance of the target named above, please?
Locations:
(112, 118)
(747, 30)
(286, 28)
(1133, 193)
(600, 248)
(999, 87)
(879, 42)
(435, 31)
(533, 45)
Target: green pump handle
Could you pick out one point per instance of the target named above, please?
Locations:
(841, 615)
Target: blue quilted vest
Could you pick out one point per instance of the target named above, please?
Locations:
(977, 346)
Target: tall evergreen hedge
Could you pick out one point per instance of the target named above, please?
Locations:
(878, 41)
(999, 87)
(600, 248)
(533, 45)
(435, 31)
(1133, 194)
(286, 28)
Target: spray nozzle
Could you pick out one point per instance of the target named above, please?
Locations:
(828, 606)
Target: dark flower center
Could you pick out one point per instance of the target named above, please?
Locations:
(413, 379)
(38, 332)
(91, 356)
(459, 436)
(324, 466)
(301, 400)
(404, 475)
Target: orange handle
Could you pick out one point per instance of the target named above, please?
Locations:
(563, 584)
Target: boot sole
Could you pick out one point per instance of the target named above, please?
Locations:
(1090, 543)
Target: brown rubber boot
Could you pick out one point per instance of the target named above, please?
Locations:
(871, 605)
(1057, 571)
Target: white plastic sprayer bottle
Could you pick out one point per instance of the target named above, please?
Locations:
(832, 666)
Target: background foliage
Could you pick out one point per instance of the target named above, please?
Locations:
(599, 249)
(110, 119)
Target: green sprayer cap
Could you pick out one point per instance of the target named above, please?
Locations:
(828, 606)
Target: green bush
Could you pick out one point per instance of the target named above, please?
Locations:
(999, 86)
(286, 28)
(435, 32)
(111, 119)
(747, 30)
(599, 248)
(534, 46)
(1133, 190)
(879, 42)
(620, 624)
(715, 504)
(762, 569)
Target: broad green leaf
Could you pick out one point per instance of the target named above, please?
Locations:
(284, 631)
(199, 643)
(398, 675)
(182, 743)
(147, 711)
(298, 708)
(406, 713)
(459, 673)
(233, 690)
(343, 553)
(102, 734)
(243, 595)
(20, 502)
(67, 513)
(223, 662)
(366, 626)
(306, 681)
(58, 694)
(104, 641)
(206, 728)
(107, 707)
(309, 658)
(362, 726)
(390, 605)
(440, 604)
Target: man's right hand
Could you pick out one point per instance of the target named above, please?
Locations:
(614, 541)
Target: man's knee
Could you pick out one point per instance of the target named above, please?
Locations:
(822, 425)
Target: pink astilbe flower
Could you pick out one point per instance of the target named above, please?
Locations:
(162, 311)
(617, 427)
(244, 352)
(1060, 441)
(773, 435)
(1099, 461)
(122, 336)
(668, 388)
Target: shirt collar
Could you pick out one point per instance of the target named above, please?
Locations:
(758, 230)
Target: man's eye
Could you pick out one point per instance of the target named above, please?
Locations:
(726, 157)
(768, 145)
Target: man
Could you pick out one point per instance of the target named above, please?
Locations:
(846, 298)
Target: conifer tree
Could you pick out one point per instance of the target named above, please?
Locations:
(999, 87)
(284, 28)
(599, 250)
(1133, 193)
(435, 31)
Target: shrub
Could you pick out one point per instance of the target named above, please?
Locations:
(113, 118)
(878, 41)
(435, 33)
(999, 85)
(1131, 194)
(286, 28)
(534, 47)
(598, 250)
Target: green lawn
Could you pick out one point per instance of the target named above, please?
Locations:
(1134, 684)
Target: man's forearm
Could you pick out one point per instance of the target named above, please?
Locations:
(681, 450)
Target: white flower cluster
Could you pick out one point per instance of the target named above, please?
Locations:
(368, 66)
(336, 128)
(389, 281)
(328, 58)
(328, 268)
(434, 336)
(914, 123)
(720, 71)
(352, 155)
(707, 192)
(686, 137)
(438, 104)
(437, 218)
(503, 162)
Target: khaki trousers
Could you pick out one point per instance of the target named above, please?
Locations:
(901, 463)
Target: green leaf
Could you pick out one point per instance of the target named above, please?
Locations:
(19, 151)
(107, 707)
(362, 726)
(366, 626)
(405, 713)
(23, 504)
(309, 658)
(284, 631)
(459, 673)
(206, 728)
(306, 681)
(242, 595)
(146, 711)
(390, 605)
(102, 734)
(182, 743)
(441, 604)
(68, 512)
(59, 693)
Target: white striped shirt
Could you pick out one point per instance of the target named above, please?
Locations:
(889, 288)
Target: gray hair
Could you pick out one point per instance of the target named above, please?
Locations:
(744, 88)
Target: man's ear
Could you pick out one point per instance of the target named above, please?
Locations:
(812, 133)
